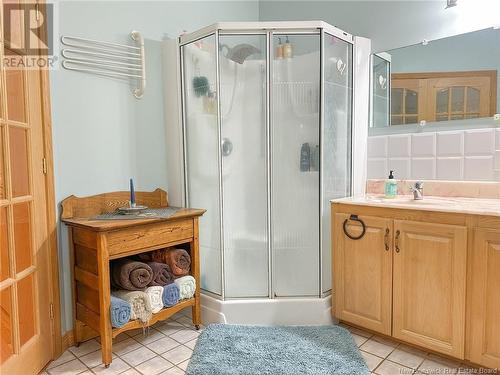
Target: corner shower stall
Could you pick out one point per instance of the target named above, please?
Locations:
(267, 142)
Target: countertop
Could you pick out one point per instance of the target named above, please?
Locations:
(473, 206)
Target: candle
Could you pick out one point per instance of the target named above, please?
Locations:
(132, 193)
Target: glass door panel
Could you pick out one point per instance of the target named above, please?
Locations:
(19, 165)
(242, 65)
(295, 165)
(201, 151)
(4, 244)
(22, 236)
(2, 165)
(336, 139)
(15, 83)
(6, 339)
(25, 306)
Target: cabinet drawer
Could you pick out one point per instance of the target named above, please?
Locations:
(148, 236)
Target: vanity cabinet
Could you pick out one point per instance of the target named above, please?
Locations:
(363, 273)
(484, 298)
(431, 279)
(429, 274)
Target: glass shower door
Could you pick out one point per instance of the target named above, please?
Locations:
(242, 64)
(295, 104)
(336, 139)
(201, 152)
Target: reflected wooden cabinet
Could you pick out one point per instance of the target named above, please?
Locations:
(484, 298)
(429, 285)
(442, 96)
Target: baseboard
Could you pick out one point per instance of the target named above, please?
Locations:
(68, 340)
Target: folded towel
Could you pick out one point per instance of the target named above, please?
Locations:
(178, 260)
(120, 312)
(187, 286)
(155, 298)
(161, 274)
(130, 275)
(170, 294)
(139, 301)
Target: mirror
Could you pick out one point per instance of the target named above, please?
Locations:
(450, 81)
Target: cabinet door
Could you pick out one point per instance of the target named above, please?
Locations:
(429, 285)
(363, 273)
(484, 301)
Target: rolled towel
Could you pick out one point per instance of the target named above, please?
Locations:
(187, 286)
(179, 261)
(170, 294)
(120, 312)
(162, 275)
(130, 274)
(139, 302)
(155, 298)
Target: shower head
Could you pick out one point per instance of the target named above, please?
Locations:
(240, 52)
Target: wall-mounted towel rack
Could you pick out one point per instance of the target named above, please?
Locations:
(108, 59)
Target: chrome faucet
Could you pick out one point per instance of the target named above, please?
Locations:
(418, 190)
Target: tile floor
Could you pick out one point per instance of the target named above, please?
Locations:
(169, 345)
(387, 357)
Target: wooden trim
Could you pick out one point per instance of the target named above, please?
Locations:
(491, 74)
(58, 343)
(423, 75)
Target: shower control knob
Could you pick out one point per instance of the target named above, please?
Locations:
(227, 147)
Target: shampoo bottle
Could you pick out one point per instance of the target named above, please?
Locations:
(287, 49)
(391, 186)
(279, 50)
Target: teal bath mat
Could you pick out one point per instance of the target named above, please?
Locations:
(288, 350)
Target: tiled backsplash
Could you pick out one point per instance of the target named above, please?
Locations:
(470, 155)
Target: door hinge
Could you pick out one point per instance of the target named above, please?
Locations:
(51, 311)
(37, 11)
(44, 165)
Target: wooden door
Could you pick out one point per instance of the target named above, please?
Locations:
(484, 299)
(408, 101)
(362, 272)
(459, 98)
(26, 337)
(429, 285)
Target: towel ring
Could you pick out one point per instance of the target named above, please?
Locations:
(354, 218)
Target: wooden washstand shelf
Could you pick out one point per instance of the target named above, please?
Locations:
(163, 314)
(94, 243)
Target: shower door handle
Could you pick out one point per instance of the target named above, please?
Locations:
(227, 147)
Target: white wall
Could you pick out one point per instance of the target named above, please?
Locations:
(390, 24)
(102, 134)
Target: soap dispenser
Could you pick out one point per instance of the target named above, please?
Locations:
(391, 186)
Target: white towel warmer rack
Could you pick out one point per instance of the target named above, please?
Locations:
(107, 59)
